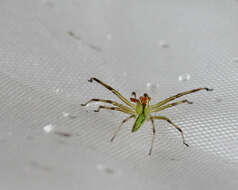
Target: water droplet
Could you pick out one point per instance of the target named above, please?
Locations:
(235, 59)
(163, 44)
(100, 167)
(148, 84)
(152, 86)
(109, 36)
(65, 114)
(58, 90)
(184, 77)
(48, 128)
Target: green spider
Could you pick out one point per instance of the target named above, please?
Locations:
(141, 110)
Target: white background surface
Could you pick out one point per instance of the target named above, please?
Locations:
(50, 48)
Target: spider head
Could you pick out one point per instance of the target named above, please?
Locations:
(142, 104)
(144, 100)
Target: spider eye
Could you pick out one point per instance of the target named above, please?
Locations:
(133, 94)
(147, 96)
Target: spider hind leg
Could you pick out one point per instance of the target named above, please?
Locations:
(153, 137)
(169, 121)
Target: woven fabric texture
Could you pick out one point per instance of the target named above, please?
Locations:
(50, 48)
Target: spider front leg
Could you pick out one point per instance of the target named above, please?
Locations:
(168, 120)
(114, 108)
(177, 96)
(124, 121)
(113, 91)
(170, 105)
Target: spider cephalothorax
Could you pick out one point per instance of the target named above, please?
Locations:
(141, 110)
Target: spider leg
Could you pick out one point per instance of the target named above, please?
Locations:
(113, 91)
(168, 120)
(124, 121)
(109, 102)
(156, 109)
(153, 137)
(114, 108)
(177, 96)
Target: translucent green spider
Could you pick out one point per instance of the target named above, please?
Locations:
(141, 110)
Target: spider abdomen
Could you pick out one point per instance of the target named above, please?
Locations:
(138, 122)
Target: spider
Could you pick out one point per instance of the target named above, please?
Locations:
(141, 110)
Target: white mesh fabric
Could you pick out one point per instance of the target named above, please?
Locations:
(48, 51)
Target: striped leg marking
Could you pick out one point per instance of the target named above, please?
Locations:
(109, 102)
(153, 137)
(114, 108)
(168, 120)
(113, 91)
(177, 96)
(170, 105)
